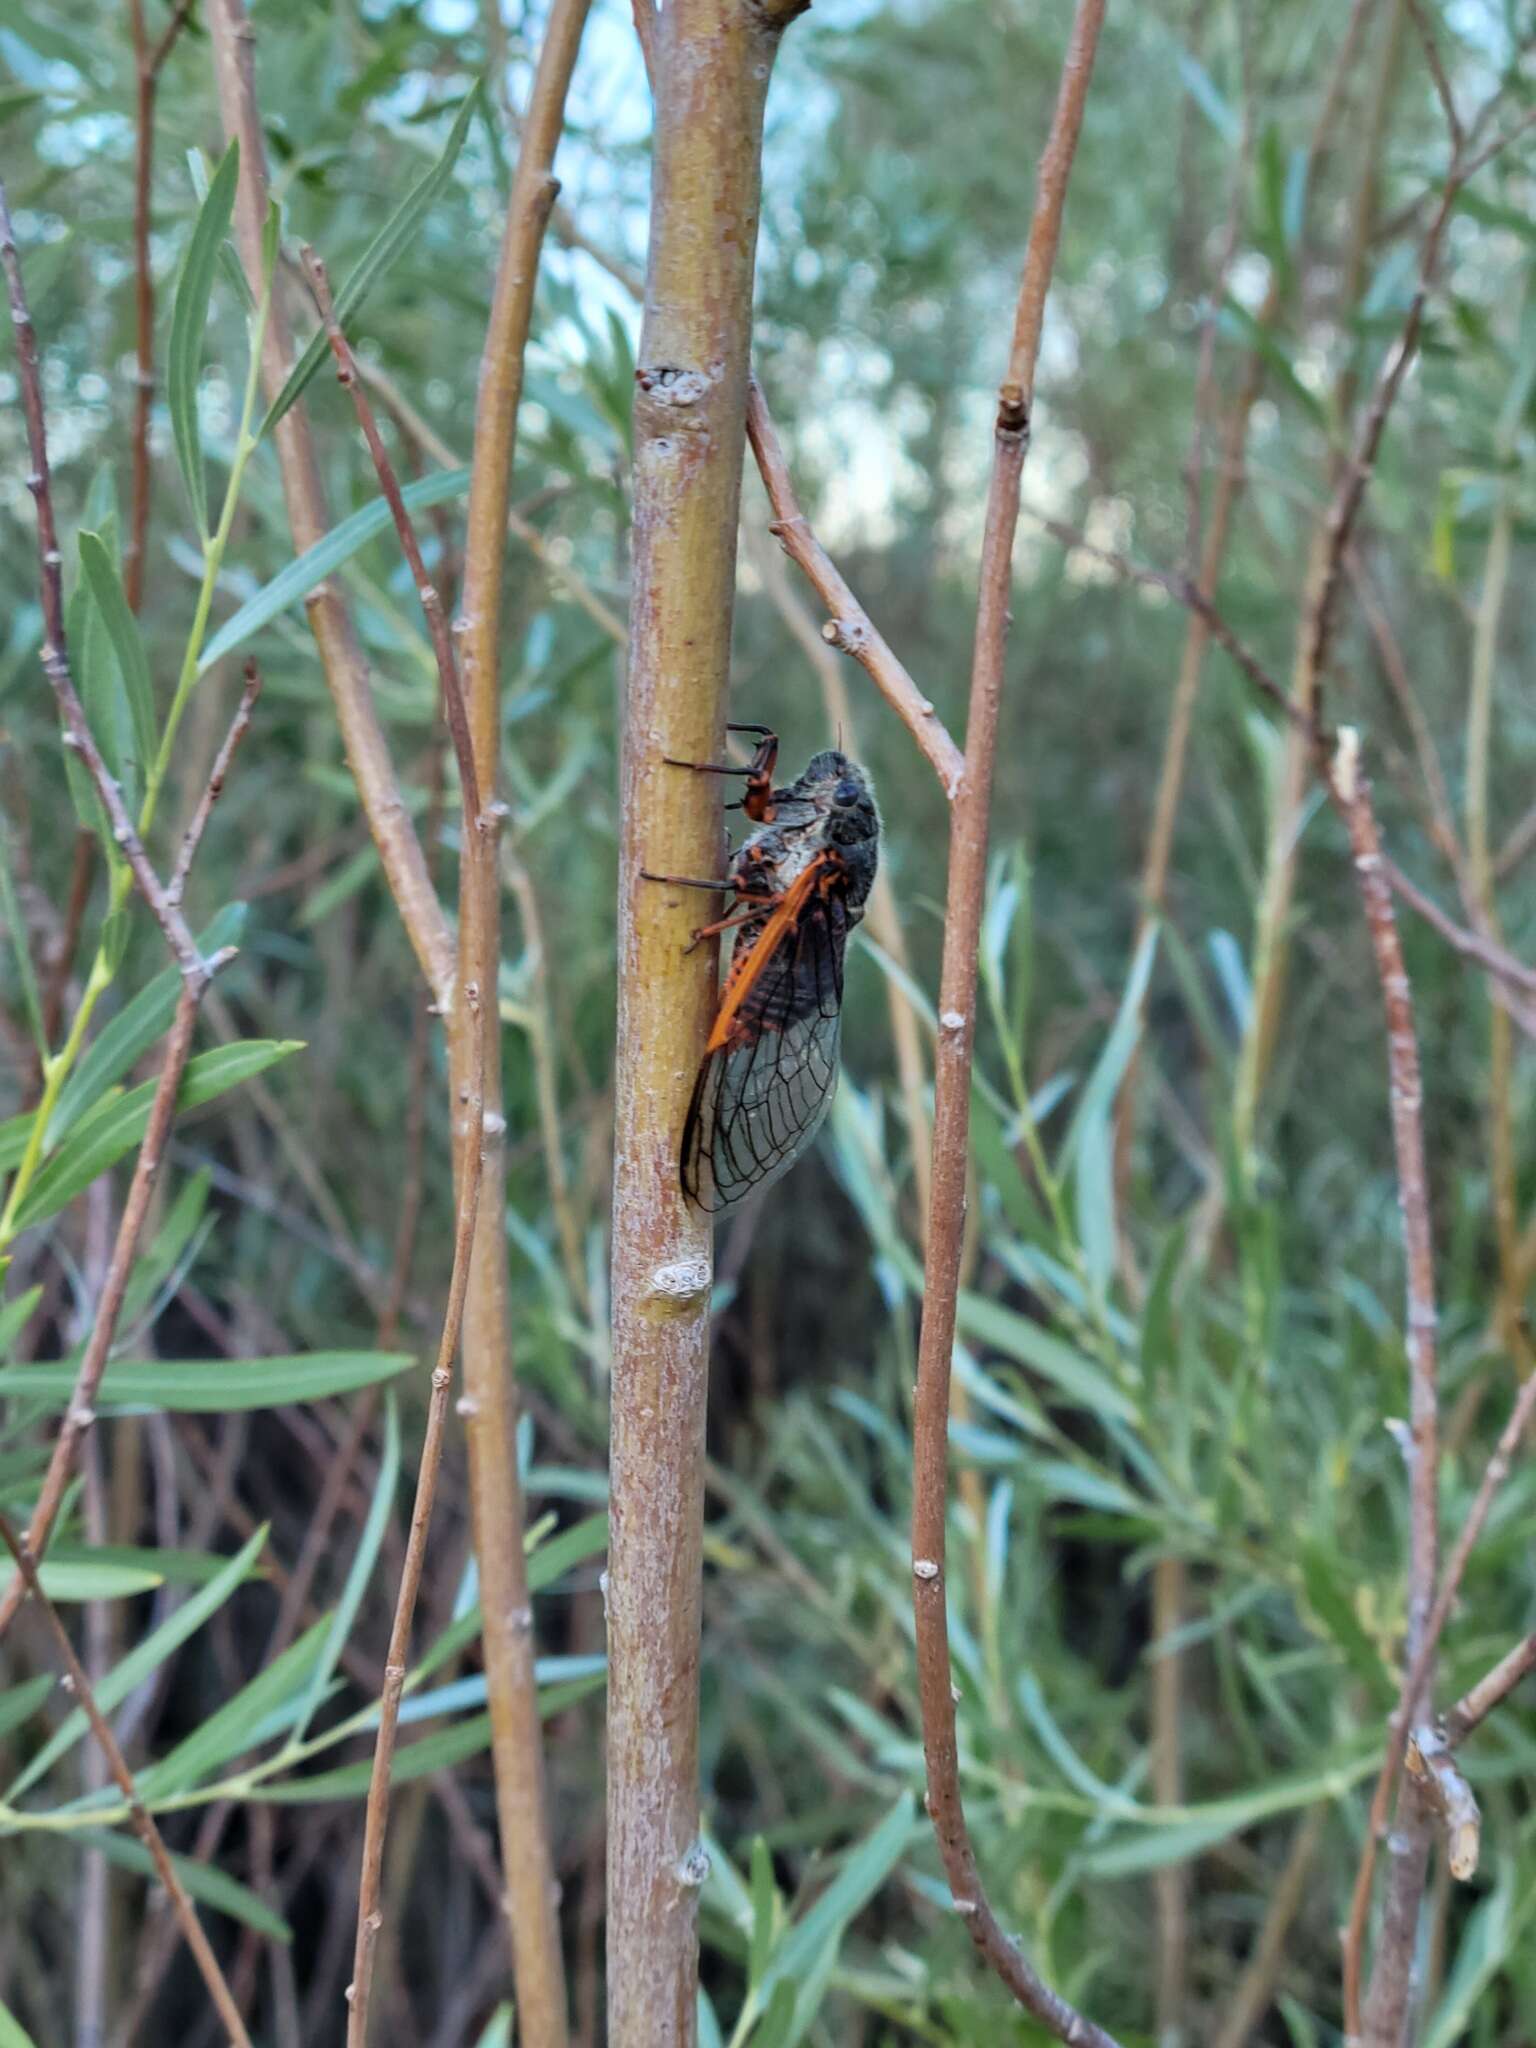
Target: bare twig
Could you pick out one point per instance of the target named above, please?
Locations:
(149, 60)
(341, 655)
(1426, 36)
(1479, 1701)
(478, 880)
(1255, 1987)
(143, 1822)
(490, 1391)
(849, 626)
(1389, 1987)
(213, 789)
(80, 1411)
(196, 971)
(952, 1073)
(1429, 1760)
(1416, 1679)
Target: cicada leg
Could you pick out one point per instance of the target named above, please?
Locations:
(750, 902)
(757, 801)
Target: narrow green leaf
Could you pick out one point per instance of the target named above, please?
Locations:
(189, 318)
(15, 1315)
(122, 630)
(433, 1753)
(214, 1386)
(396, 235)
(1019, 1337)
(1099, 1091)
(129, 1035)
(296, 581)
(12, 2033)
(21, 1702)
(765, 1901)
(1330, 1603)
(205, 1881)
(69, 1581)
(804, 1958)
(360, 1570)
(10, 909)
(120, 1128)
(144, 1658)
(232, 1729)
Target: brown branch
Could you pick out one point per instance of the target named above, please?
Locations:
(1442, 84)
(341, 655)
(952, 1073)
(1503, 965)
(80, 1412)
(474, 1044)
(143, 1821)
(849, 626)
(375, 1824)
(713, 67)
(883, 916)
(213, 789)
(1491, 1690)
(1429, 1761)
(1389, 1982)
(148, 63)
(55, 658)
(647, 34)
(1421, 1650)
(478, 880)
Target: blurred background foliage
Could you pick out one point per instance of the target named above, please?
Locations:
(1192, 1359)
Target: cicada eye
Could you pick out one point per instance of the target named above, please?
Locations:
(847, 791)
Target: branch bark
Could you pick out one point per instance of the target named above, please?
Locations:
(341, 654)
(711, 77)
(969, 817)
(490, 1394)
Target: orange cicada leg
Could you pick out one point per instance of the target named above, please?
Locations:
(757, 801)
(750, 902)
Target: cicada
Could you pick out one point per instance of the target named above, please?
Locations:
(801, 880)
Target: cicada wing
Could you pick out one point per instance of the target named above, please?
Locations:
(760, 1098)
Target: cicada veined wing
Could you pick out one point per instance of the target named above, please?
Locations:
(767, 1078)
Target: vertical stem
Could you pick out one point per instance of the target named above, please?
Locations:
(1502, 1166)
(712, 68)
(969, 817)
(490, 1394)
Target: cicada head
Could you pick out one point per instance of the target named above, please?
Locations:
(841, 798)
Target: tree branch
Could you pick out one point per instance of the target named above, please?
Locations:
(143, 1821)
(952, 1073)
(849, 626)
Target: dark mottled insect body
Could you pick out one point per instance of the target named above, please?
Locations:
(801, 880)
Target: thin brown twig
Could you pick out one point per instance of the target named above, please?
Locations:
(197, 972)
(55, 658)
(213, 788)
(376, 1819)
(149, 60)
(849, 626)
(952, 1073)
(1442, 84)
(1494, 1687)
(143, 1821)
(490, 1390)
(346, 670)
(646, 34)
(1497, 960)
(478, 879)
(1468, 1712)
(1389, 1983)
(80, 1411)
